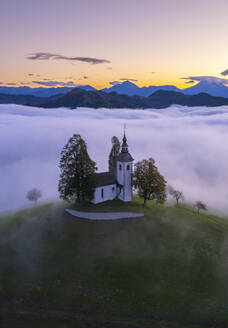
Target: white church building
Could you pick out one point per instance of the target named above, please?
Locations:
(116, 186)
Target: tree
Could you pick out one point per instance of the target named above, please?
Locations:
(176, 194)
(149, 183)
(114, 154)
(34, 195)
(77, 171)
(200, 206)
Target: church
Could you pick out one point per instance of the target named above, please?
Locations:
(119, 185)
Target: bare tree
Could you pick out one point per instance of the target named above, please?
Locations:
(200, 206)
(176, 194)
(34, 195)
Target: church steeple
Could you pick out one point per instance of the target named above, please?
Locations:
(124, 144)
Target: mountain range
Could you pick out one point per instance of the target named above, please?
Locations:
(216, 89)
(100, 99)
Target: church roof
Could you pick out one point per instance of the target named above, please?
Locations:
(124, 156)
(105, 179)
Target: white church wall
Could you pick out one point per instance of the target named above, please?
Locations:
(124, 177)
(109, 193)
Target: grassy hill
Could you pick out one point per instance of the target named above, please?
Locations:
(168, 269)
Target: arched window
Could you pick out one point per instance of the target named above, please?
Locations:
(128, 167)
(102, 193)
(120, 167)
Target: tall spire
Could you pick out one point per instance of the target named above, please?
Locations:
(124, 144)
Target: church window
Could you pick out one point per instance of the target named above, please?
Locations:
(102, 193)
(128, 167)
(120, 167)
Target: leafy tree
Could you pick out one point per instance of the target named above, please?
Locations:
(176, 194)
(200, 206)
(114, 154)
(77, 177)
(149, 183)
(34, 195)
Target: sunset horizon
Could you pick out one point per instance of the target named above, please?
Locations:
(92, 43)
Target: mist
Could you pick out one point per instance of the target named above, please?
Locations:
(189, 146)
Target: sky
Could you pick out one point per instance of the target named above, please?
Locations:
(189, 145)
(55, 42)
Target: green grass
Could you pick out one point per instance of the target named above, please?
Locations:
(169, 267)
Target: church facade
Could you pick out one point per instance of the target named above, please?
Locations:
(119, 185)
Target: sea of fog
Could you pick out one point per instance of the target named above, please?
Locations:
(189, 145)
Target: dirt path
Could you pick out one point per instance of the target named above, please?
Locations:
(104, 216)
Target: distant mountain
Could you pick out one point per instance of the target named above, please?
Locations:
(28, 100)
(40, 92)
(213, 88)
(159, 99)
(130, 89)
(86, 87)
(126, 88)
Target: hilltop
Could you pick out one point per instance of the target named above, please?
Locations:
(167, 269)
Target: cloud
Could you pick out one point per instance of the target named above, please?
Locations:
(109, 68)
(48, 56)
(126, 79)
(224, 73)
(210, 79)
(85, 77)
(31, 74)
(48, 83)
(1, 83)
(189, 82)
(11, 83)
(114, 82)
(187, 143)
(152, 72)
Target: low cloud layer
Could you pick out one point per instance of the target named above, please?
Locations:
(188, 144)
(48, 56)
(210, 79)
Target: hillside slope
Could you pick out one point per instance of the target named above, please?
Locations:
(163, 270)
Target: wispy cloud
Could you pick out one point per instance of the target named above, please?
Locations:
(108, 68)
(55, 83)
(224, 73)
(212, 79)
(189, 82)
(32, 74)
(11, 83)
(52, 56)
(115, 82)
(127, 79)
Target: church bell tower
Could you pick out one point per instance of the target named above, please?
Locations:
(124, 170)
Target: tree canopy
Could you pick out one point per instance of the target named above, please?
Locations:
(148, 182)
(200, 206)
(115, 151)
(176, 194)
(77, 171)
(34, 195)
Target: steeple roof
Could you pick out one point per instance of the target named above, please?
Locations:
(124, 156)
